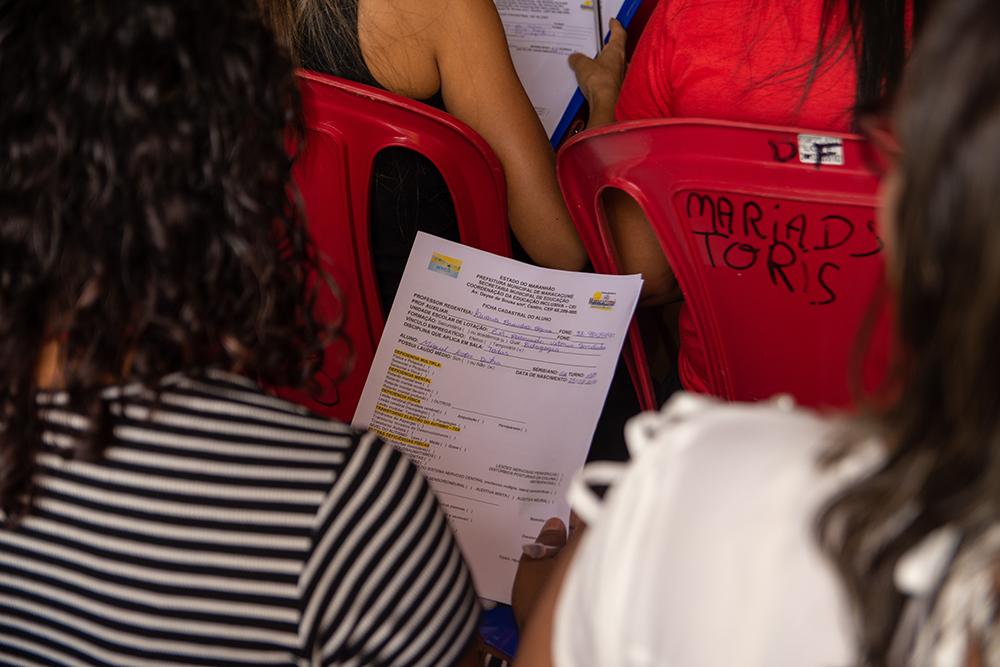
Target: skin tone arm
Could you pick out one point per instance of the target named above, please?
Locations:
(638, 249)
(481, 88)
(600, 78)
(49, 374)
(538, 610)
(415, 47)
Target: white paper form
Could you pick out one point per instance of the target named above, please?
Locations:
(609, 9)
(541, 34)
(491, 375)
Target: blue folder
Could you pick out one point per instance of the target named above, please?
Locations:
(628, 10)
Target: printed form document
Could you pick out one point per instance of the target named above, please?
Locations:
(541, 35)
(491, 375)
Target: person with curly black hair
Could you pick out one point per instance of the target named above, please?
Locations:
(156, 505)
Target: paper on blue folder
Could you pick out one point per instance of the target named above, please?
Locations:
(542, 34)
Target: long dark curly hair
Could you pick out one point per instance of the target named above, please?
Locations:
(943, 431)
(147, 222)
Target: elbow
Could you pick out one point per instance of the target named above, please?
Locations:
(566, 257)
(659, 288)
(562, 251)
(573, 259)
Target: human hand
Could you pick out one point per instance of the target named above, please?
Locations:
(535, 566)
(600, 79)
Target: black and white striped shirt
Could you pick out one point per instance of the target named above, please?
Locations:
(225, 527)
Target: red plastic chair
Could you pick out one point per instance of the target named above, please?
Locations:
(778, 257)
(347, 125)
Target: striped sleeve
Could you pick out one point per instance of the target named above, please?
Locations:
(385, 582)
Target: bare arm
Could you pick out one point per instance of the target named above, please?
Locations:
(481, 88)
(639, 251)
(416, 47)
(535, 647)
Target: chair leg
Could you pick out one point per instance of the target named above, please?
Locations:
(638, 368)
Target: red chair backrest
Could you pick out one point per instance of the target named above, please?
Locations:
(347, 125)
(778, 257)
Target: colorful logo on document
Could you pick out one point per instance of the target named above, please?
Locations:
(449, 266)
(603, 300)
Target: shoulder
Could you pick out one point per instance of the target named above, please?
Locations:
(240, 399)
(233, 407)
(717, 507)
(425, 21)
(231, 414)
(429, 23)
(404, 41)
(722, 461)
(701, 434)
(759, 461)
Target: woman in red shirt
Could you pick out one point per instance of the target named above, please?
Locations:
(802, 63)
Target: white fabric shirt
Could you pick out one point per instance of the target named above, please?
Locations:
(703, 553)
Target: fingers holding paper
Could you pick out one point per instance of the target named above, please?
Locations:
(600, 78)
(549, 542)
(535, 568)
